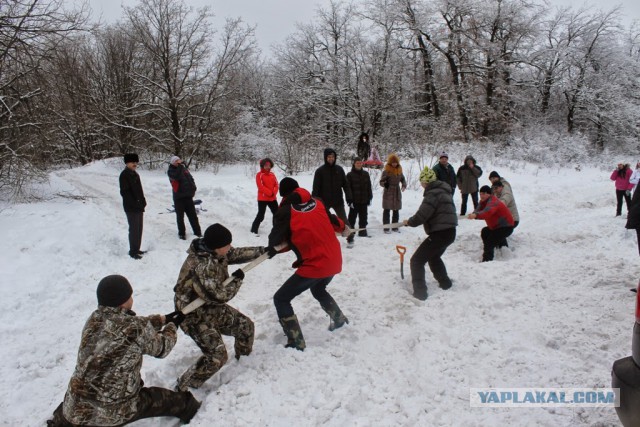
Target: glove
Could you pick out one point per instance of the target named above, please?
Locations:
(238, 274)
(386, 184)
(176, 318)
(271, 251)
(347, 231)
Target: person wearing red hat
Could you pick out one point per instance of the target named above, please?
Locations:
(267, 192)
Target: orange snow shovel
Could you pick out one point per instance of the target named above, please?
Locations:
(401, 250)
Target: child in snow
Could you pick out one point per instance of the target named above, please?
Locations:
(202, 275)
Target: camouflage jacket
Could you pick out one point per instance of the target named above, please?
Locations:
(203, 273)
(105, 384)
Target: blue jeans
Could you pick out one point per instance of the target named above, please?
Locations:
(294, 286)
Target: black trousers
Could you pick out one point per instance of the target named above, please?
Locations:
(620, 194)
(135, 220)
(465, 197)
(294, 286)
(394, 218)
(154, 402)
(183, 206)
(359, 210)
(492, 239)
(430, 251)
(262, 208)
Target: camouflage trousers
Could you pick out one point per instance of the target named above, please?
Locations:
(152, 402)
(206, 329)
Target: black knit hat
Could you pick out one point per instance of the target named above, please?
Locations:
(113, 291)
(485, 189)
(498, 183)
(216, 236)
(494, 174)
(287, 185)
(131, 157)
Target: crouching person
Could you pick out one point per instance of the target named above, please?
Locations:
(309, 229)
(499, 222)
(106, 388)
(203, 274)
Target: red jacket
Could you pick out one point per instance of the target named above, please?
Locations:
(305, 224)
(495, 213)
(267, 186)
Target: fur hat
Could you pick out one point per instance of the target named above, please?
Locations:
(287, 185)
(427, 175)
(216, 236)
(131, 158)
(443, 154)
(494, 174)
(485, 189)
(265, 161)
(113, 291)
(174, 160)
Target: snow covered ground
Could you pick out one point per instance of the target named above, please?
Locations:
(553, 310)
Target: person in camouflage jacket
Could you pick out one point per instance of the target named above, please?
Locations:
(202, 275)
(106, 388)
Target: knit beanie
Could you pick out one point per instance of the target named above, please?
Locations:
(485, 189)
(174, 160)
(443, 154)
(216, 236)
(113, 291)
(494, 174)
(131, 158)
(287, 185)
(427, 175)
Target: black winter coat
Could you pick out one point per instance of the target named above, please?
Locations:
(329, 181)
(181, 181)
(359, 183)
(131, 191)
(437, 211)
(633, 218)
(447, 175)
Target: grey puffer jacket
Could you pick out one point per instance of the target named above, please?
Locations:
(437, 211)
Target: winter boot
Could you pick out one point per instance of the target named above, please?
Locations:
(445, 284)
(336, 318)
(422, 295)
(363, 233)
(292, 330)
(190, 409)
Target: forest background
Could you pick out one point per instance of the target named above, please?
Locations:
(521, 79)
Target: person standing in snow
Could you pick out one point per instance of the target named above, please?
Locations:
(621, 175)
(498, 218)
(329, 181)
(184, 189)
(444, 171)
(133, 202)
(633, 218)
(267, 192)
(106, 388)
(437, 214)
(363, 146)
(309, 229)
(635, 178)
(359, 183)
(467, 180)
(394, 183)
(202, 275)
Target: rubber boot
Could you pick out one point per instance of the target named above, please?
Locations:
(292, 330)
(336, 318)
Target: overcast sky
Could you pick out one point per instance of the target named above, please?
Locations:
(276, 19)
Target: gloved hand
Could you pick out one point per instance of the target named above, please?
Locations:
(386, 184)
(176, 318)
(238, 274)
(347, 231)
(271, 251)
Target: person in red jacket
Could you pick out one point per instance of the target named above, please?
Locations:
(267, 192)
(305, 224)
(498, 218)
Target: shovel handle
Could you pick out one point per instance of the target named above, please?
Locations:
(401, 250)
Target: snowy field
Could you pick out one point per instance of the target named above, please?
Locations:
(553, 310)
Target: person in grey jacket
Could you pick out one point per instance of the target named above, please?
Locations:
(437, 214)
(467, 179)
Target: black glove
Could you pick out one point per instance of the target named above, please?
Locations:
(176, 318)
(386, 184)
(271, 251)
(238, 274)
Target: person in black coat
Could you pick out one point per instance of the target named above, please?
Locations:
(329, 181)
(359, 183)
(633, 218)
(364, 148)
(444, 171)
(184, 189)
(133, 202)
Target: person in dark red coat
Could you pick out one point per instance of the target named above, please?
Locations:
(267, 192)
(304, 223)
(184, 189)
(498, 218)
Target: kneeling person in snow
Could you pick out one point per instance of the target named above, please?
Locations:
(437, 214)
(498, 218)
(309, 229)
(106, 388)
(202, 275)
